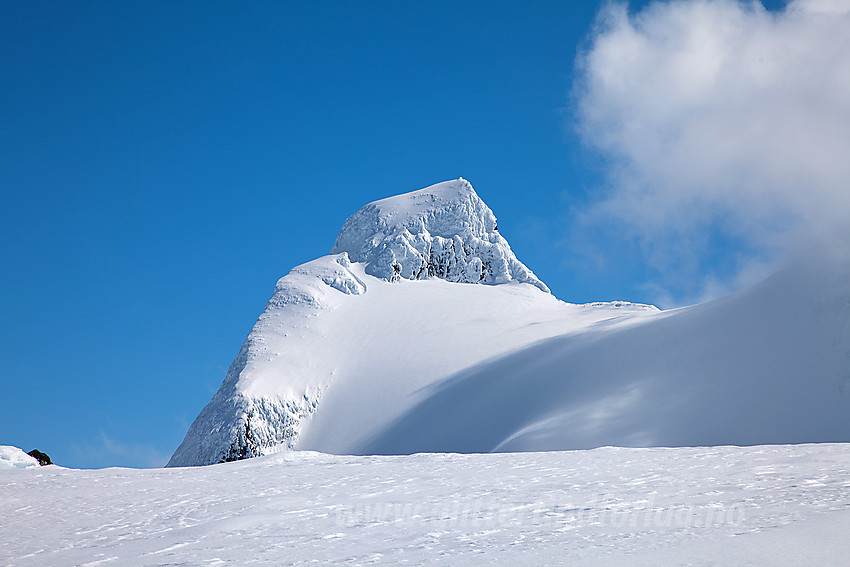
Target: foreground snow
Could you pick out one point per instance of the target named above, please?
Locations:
(767, 505)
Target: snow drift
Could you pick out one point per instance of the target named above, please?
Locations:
(768, 365)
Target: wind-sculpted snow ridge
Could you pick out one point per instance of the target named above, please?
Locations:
(444, 231)
(271, 386)
(770, 364)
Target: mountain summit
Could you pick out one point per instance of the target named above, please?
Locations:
(443, 231)
(350, 340)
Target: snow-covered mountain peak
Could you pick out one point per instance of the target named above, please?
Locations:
(445, 209)
(353, 317)
(444, 231)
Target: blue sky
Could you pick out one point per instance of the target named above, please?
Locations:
(163, 164)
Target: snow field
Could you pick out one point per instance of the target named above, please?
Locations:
(765, 505)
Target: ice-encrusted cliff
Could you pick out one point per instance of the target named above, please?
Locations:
(443, 231)
(363, 330)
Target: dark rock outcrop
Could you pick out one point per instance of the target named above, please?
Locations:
(42, 458)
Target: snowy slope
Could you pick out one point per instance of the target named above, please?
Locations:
(781, 505)
(768, 365)
(344, 347)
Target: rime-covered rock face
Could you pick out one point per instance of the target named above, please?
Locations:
(443, 231)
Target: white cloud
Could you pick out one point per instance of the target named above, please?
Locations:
(717, 114)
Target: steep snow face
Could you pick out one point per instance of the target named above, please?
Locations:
(443, 231)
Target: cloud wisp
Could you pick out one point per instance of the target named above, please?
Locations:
(104, 451)
(718, 115)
